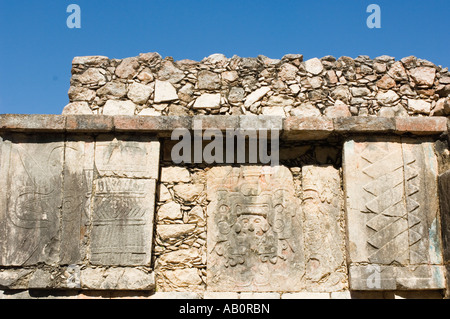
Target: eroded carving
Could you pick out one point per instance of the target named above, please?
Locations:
(122, 221)
(392, 217)
(31, 196)
(254, 231)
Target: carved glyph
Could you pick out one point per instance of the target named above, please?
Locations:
(254, 230)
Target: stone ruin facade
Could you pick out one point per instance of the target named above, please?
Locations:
(92, 204)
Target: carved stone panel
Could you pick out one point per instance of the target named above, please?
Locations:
(127, 156)
(122, 225)
(126, 169)
(255, 240)
(324, 231)
(444, 196)
(392, 214)
(77, 192)
(30, 199)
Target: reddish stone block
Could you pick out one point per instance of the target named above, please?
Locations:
(32, 123)
(307, 128)
(421, 125)
(89, 123)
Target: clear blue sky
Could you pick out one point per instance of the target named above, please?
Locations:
(37, 48)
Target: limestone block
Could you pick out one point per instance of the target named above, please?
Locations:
(30, 199)
(165, 92)
(255, 234)
(323, 231)
(77, 190)
(444, 195)
(123, 211)
(127, 156)
(391, 203)
(117, 279)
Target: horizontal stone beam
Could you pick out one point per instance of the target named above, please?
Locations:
(291, 128)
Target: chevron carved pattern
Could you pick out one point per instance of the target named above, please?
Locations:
(389, 226)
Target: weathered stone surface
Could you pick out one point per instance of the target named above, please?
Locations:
(323, 228)
(256, 95)
(113, 107)
(90, 60)
(423, 76)
(76, 205)
(419, 106)
(77, 108)
(117, 279)
(174, 230)
(421, 125)
(392, 218)
(174, 174)
(127, 156)
(308, 128)
(127, 69)
(207, 100)
(77, 93)
(31, 184)
(254, 230)
(398, 72)
(122, 229)
(139, 93)
(288, 72)
(386, 82)
(208, 80)
(339, 109)
(123, 200)
(164, 92)
(188, 192)
(184, 277)
(305, 110)
(170, 211)
(92, 76)
(444, 197)
(314, 66)
(388, 97)
(169, 72)
(113, 89)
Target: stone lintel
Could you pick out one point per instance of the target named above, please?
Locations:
(292, 128)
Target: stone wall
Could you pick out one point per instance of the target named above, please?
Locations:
(150, 85)
(93, 206)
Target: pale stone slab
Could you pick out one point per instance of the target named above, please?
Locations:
(77, 194)
(255, 234)
(323, 230)
(122, 227)
(165, 92)
(392, 214)
(30, 200)
(444, 196)
(259, 295)
(117, 279)
(306, 295)
(220, 295)
(127, 156)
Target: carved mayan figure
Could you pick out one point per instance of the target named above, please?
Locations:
(254, 230)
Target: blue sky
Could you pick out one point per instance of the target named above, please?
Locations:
(37, 47)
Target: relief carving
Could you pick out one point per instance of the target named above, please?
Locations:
(255, 231)
(122, 221)
(392, 214)
(29, 207)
